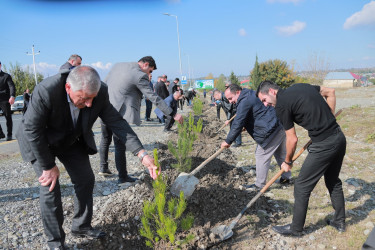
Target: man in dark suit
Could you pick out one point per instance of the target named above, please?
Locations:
(161, 89)
(7, 94)
(73, 61)
(58, 123)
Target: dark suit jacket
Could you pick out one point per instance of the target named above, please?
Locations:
(161, 89)
(7, 88)
(47, 125)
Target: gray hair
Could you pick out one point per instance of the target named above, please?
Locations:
(84, 78)
(74, 57)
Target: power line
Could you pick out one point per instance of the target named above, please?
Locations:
(33, 54)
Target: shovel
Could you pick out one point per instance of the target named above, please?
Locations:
(224, 232)
(186, 182)
(215, 133)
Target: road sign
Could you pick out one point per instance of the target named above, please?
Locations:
(183, 80)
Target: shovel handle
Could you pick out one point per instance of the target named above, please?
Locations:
(231, 119)
(206, 161)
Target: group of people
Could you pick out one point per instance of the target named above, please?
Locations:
(61, 113)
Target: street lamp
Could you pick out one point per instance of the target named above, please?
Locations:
(178, 39)
(189, 68)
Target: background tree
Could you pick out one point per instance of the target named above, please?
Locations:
(22, 78)
(277, 71)
(233, 79)
(220, 83)
(255, 78)
(317, 68)
(210, 76)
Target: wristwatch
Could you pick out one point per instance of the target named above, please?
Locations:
(289, 163)
(143, 155)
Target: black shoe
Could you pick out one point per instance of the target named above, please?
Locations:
(340, 226)
(284, 181)
(236, 145)
(91, 233)
(2, 135)
(149, 119)
(9, 138)
(286, 231)
(105, 172)
(252, 187)
(126, 179)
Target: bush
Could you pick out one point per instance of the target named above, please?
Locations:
(159, 223)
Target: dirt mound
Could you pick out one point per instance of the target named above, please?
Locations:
(217, 200)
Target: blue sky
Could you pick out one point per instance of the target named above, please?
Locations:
(216, 36)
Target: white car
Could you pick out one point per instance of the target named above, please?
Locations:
(18, 104)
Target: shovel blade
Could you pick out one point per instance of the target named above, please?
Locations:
(185, 183)
(222, 232)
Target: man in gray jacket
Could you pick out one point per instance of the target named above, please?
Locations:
(58, 124)
(127, 82)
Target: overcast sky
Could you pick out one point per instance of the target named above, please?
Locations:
(216, 36)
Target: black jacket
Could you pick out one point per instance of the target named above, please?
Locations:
(259, 121)
(161, 89)
(229, 108)
(7, 88)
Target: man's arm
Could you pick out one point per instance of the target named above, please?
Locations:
(144, 87)
(291, 144)
(12, 90)
(238, 122)
(330, 96)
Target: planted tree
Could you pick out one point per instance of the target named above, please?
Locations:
(197, 106)
(187, 133)
(162, 219)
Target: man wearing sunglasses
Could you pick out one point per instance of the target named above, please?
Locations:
(311, 107)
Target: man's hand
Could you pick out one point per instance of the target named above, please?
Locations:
(11, 100)
(224, 145)
(226, 122)
(148, 162)
(286, 167)
(179, 118)
(49, 177)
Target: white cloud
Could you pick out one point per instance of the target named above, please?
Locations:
(284, 1)
(371, 46)
(43, 68)
(242, 32)
(365, 17)
(293, 29)
(100, 65)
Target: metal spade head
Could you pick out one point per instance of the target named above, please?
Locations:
(185, 183)
(222, 232)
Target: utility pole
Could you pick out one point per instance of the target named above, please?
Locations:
(33, 54)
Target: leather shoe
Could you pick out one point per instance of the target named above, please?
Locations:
(2, 135)
(283, 181)
(126, 179)
(9, 138)
(286, 231)
(91, 233)
(252, 187)
(340, 226)
(105, 172)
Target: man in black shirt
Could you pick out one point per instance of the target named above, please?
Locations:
(7, 94)
(311, 107)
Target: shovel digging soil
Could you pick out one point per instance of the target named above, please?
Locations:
(215, 133)
(223, 232)
(186, 182)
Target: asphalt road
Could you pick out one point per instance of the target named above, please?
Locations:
(10, 147)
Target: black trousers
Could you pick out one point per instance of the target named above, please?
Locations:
(148, 108)
(76, 162)
(120, 156)
(324, 159)
(169, 121)
(370, 242)
(5, 107)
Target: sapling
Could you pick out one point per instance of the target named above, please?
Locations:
(159, 222)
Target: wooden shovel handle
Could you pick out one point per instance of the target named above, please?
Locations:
(231, 119)
(207, 161)
(294, 158)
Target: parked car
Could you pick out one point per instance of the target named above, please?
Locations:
(18, 104)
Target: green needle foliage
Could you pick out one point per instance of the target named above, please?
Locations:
(187, 133)
(197, 106)
(161, 219)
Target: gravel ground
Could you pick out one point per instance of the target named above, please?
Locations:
(20, 222)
